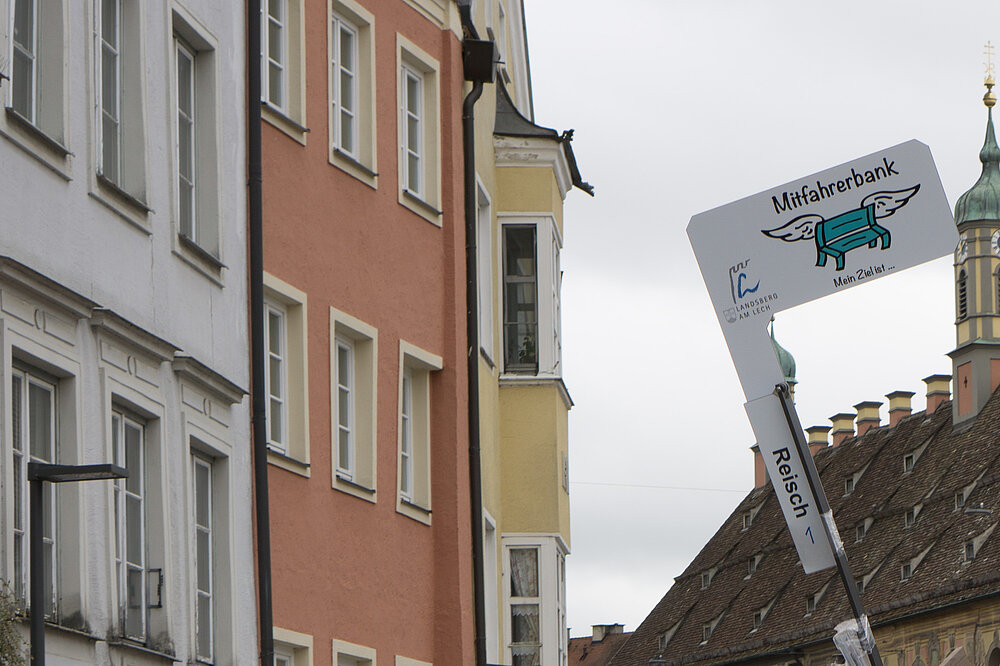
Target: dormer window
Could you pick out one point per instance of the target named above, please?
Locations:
(752, 563)
(758, 619)
(810, 605)
(706, 580)
(860, 584)
(959, 499)
(906, 571)
(910, 517)
(849, 485)
(706, 632)
(969, 551)
(908, 461)
(861, 529)
(747, 520)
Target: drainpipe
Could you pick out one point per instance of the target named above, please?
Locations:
(478, 64)
(258, 417)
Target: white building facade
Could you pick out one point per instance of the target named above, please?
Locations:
(123, 325)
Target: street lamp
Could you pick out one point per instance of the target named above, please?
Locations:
(38, 473)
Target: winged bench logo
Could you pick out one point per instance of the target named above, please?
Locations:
(838, 235)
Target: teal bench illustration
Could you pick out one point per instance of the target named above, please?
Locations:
(839, 235)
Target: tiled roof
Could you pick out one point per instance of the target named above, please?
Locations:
(948, 460)
(585, 652)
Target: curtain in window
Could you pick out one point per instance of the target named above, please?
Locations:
(524, 617)
(523, 572)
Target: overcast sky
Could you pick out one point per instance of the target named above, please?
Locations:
(680, 107)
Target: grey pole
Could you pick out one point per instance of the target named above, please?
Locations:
(37, 582)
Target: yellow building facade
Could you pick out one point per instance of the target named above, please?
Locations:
(523, 174)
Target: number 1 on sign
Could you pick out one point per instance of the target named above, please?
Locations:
(809, 533)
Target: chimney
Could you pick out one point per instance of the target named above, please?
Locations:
(759, 470)
(868, 417)
(601, 631)
(843, 428)
(817, 438)
(899, 406)
(938, 391)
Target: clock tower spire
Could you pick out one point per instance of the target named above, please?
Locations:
(976, 359)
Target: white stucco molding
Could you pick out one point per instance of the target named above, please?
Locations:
(517, 151)
(106, 322)
(18, 275)
(194, 371)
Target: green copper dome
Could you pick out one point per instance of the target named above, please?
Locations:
(784, 358)
(982, 202)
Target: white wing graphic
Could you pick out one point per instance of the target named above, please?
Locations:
(801, 228)
(886, 203)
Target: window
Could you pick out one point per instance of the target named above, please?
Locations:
(969, 551)
(128, 445)
(344, 364)
(906, 571)
(525, 605)
(960, 499)
(33, 424)
(747, 519)
(196, 172)
(860, 584)
(36, 72)
(849, 485)
(758, 619)
(352, 90)
(908, 463)
(274, 45)
(419, 179)
(204, 554)
(286, 375)
(520, 300)
(860, 531)
(811, 604)
(121, 152)
(753, 563)
(706, 632)
(349, 654)
(292, 648)
(276, 379)
(353, 383)
(706, 578)
(484, 260)
(910, 517)
(416, 366)
(344, 86)
(963, 295)
(531, 310)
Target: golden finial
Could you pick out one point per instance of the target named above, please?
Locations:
(989, 99)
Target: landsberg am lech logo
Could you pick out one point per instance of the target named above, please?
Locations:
(837, 236)
(744, 290)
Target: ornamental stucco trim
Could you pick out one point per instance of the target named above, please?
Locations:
(515, 151)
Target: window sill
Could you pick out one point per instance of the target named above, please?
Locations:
(420, 207)
(288, 463)
(199, 259)
(354, 168)
(36, 143)
(351, 487)
(127, 206)
(127, 644)
(415, 511)
(278, 119)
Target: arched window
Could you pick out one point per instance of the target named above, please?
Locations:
(963, 295)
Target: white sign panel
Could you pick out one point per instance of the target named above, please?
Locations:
(787, 471)
(800, 241)
(815, 236)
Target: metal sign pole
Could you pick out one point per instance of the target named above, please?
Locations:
(865, 634)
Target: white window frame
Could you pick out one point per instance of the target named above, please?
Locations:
(292, 648)
(360, 479)
(134, 489)
(414, 431)
(360, 159)
(362, 655)
(203, 522)
(485, 253)
(288, 112)
(548, 244)
(534, 600)
(187, 189)
(344, 106)
(346, 423)
(419, 184)
(22, 453)
(277, 438)
(294, 456)
(552, 620)
(25, 52)
(109, 110)
(279, 61)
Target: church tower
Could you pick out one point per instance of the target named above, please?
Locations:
(976, 358)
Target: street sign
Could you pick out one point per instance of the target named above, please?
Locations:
(814, 236)
(820, 234)
(787, 471)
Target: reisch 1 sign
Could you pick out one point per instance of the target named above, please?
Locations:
(800, 241)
